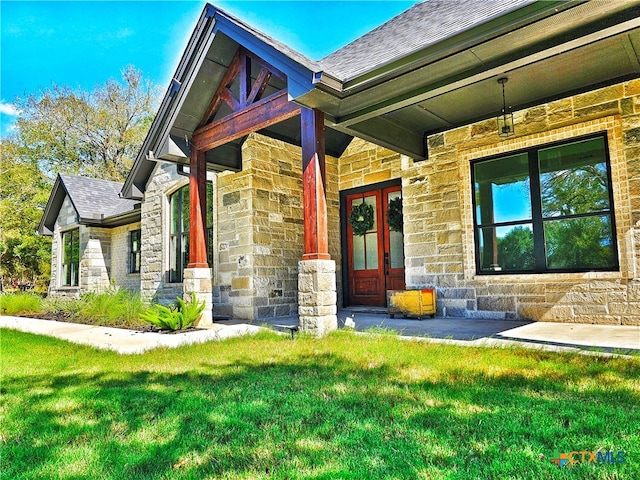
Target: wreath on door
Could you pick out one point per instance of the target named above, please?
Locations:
(394, 215)
(361, 218)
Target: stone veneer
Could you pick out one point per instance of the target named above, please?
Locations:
(439, 237)
(260, 231)
(96, 247)
(154, 225)
(120, 266)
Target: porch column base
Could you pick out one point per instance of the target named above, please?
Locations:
(198, 281)
(317, 298)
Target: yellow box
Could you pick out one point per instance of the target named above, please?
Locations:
(414, 303)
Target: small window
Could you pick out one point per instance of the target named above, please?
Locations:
(71, 258)
(134, 251)
(548, 209)
(179, 231)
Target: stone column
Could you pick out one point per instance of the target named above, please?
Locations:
(199, 281)
(317, 298)
(93, 269)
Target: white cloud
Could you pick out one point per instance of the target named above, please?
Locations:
(8, 109)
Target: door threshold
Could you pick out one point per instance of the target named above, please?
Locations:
(367, 309)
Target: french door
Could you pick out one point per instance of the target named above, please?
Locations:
(375, 259)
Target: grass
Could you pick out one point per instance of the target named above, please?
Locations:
(342, 407)
(20, 303)
(114, 308)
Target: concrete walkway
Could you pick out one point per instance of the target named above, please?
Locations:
(563, 337)
(119, 339)
(560, 337)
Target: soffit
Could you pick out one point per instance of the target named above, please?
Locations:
(577, 49)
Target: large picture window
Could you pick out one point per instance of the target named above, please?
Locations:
(179, 231)
(71, 258)
(547, 209)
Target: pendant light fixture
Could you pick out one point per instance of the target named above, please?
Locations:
(505, 119)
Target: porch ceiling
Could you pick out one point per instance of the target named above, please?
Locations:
(576, 49)
(548, 50)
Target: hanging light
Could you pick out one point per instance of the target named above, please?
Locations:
(505, 119)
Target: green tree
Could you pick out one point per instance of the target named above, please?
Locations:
(95, 133)
(24, 256)
(61, 130)
(515, 249)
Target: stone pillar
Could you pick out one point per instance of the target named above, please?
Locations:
(93, 269)
(198, 281)
(317, 298)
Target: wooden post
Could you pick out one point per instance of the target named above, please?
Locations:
(316, 239)
(197, 209)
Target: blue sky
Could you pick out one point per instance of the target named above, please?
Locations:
(83, 44)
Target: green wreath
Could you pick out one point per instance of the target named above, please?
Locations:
(361, 218)
(394, 215)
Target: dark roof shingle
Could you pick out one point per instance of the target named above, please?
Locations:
(92, 197)
(424, 24)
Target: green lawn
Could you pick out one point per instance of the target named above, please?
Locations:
(345, 406)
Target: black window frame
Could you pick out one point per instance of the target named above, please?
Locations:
(72, 279)
(538, 220)
(135, 254)
(181, 238)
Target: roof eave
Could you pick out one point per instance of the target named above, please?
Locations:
(499, 25)
(300, 75)
(51, 211)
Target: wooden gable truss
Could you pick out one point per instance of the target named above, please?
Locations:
(242, 95)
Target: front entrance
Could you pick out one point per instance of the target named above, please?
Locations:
(375, 247)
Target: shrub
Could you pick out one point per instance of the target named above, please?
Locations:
(116, 308)
(20, 303)
(175, 317)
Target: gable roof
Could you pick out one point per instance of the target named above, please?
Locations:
(422, 25)
(96, 202)
(209, 51)
(432, 68)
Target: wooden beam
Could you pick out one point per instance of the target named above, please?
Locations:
(273, 109)
(217, 99)
(259, 87)
(197, 209)
(316, 237)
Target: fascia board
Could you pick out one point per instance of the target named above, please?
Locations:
(190, 62)
(299, 77)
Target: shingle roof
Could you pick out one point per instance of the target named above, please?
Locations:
(424, 24)
(92, 197)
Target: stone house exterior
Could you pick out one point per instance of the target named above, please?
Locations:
(91, 228)
(541, 224)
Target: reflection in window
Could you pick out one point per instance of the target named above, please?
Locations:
(134, 251)
(71, 258)
(547, 209)
(179, 231)
(396, 240)
(365, 247)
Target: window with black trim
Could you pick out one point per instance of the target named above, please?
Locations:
(547, 209)
(134, 251)
(71, 258)
(179, 231)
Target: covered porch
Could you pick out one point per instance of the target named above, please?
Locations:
(234, 82)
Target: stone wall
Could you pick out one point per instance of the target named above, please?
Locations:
(120, 259)
(95, 259)
(154, 225)
(438, 210)
(67, 220)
